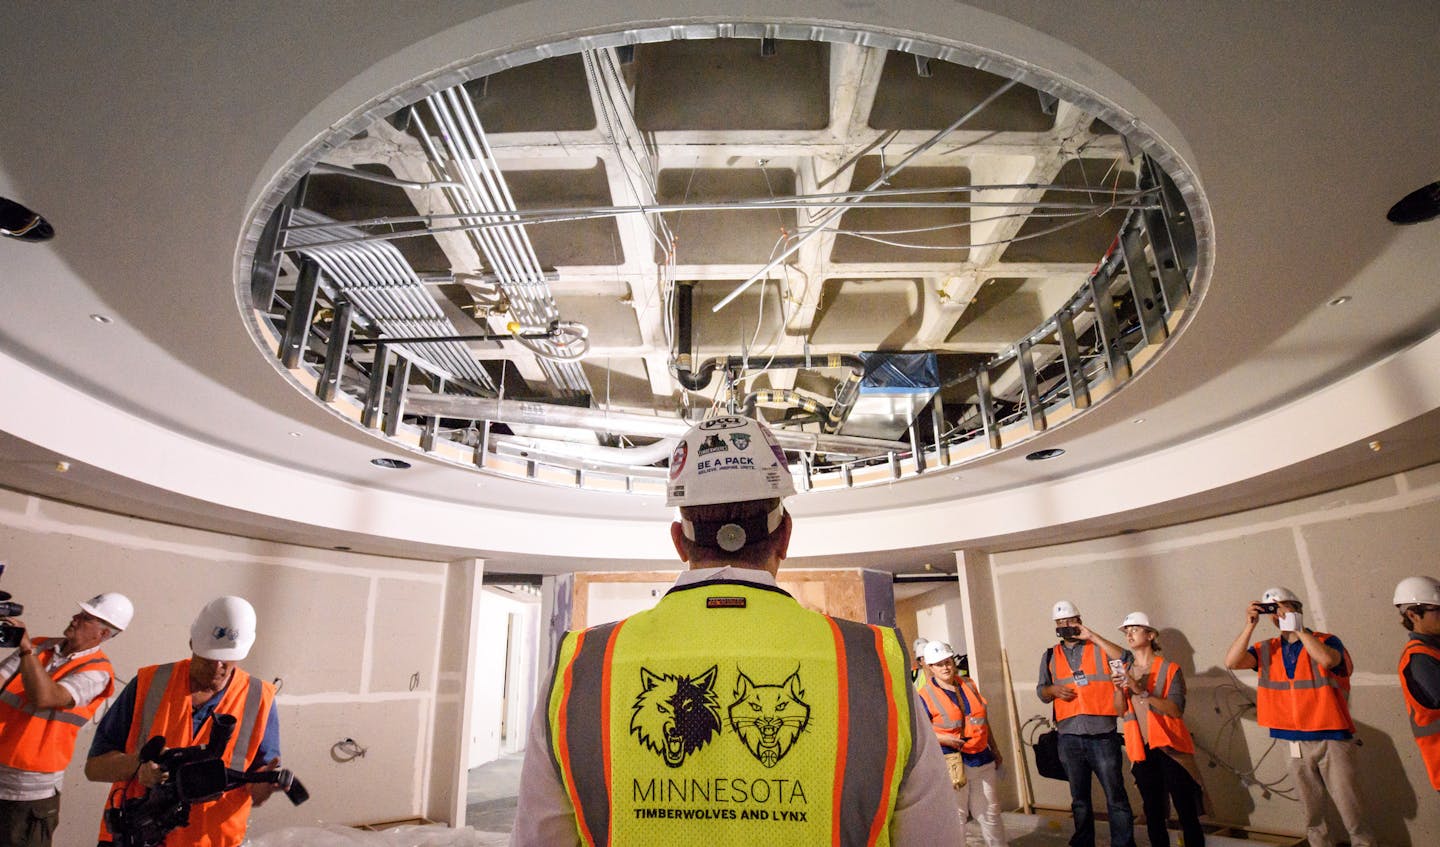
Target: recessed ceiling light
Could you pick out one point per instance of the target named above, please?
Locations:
(294, 435)
(387, 462)
(1340, 301)
(1376, 446)
(1042, 455)
(1138, 420)
(1420, 205)
(102, 319)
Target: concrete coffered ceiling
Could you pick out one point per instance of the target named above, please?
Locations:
(158, 174)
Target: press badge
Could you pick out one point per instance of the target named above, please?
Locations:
(1081, 678)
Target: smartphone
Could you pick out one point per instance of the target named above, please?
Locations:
(1067, 631)
(1117, 666)
(1269, 608)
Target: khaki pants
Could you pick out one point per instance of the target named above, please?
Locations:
(28, 823)
(1329, 767)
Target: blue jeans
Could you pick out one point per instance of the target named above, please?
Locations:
(1102, 756)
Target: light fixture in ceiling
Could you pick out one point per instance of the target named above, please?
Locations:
(455, 328)
(21, 224)
(1420, 205)
(1042, 455)
(1339, 301)
(102, 319)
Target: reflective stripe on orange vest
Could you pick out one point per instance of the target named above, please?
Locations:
(946, 716)
(1160, 730)
(43, 740)
(1314, 700)
(1424, 723)
(162, 707)
(1096, 697)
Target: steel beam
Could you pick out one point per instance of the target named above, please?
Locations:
(1074, 367)
(985, 402)
(335, 351)
(302, 312)
(1031, 386)
(1109, 327)
(1148, 302)
(376, 392)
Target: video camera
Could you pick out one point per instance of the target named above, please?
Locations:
(9, 632)
(194, 775)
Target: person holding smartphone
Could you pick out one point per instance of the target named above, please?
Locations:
(1150, 692)
(1303, 698)
(1075, 680)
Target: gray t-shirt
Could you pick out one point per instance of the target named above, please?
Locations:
(1078, 724)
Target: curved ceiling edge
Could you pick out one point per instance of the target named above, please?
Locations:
(145, 452)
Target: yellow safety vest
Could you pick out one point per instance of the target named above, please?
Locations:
(730, 714)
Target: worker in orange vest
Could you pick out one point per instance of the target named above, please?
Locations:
(959, 716)
(53, 687)
(1418, 599)
(1303, 698)
(178, 701)
(1075, 679)
(1151, 692)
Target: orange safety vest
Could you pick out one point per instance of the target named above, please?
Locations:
(162, 707)
(1097, 696)
(1424, 723)
(1162, 730)
(948, 720)
(43, 740)
(1314, 701)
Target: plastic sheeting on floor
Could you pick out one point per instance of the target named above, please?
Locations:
(400, 836)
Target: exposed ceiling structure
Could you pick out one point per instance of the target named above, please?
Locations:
(652, 164)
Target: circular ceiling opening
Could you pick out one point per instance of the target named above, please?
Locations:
(21, 224)
(1420, 205)
(902, 255)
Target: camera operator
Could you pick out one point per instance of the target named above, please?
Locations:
(176, 701)
(53, 686)
(1303, 698)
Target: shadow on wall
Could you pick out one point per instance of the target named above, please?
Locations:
(1216, 703)
(1386, 814)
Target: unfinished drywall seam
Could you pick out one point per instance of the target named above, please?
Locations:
(39, 524)
(1393, 503)
(367, 647)
(1314, 610)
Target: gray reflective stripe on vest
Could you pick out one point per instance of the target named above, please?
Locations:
(154, 696)
(1057, 680)
(867, 746)
(584, 701)
(1423, 731)
(249, 719)
(56, 715)
(1285, 683)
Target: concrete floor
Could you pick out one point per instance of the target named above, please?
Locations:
(493, 788)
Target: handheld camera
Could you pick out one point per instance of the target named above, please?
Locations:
(1268, 608)
(9, 632)
(1067, 631)
(194, 775)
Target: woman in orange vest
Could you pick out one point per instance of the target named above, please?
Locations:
(958, 715)
(1418, 599)
(1150, 693)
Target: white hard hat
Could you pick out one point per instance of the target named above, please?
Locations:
(918, 648)
(1064, 609)
(1136, 619)
(1279, 594)
(110, 607)
(729, 459)
(938, 651)
(224, 629)
(1417, 589)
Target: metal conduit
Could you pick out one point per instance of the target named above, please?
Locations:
(485, 199)
(383, 287)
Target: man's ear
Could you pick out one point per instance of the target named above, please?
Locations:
(682, 544)
(782, 536)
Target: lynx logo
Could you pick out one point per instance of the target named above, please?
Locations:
(768, 718)
(675, 715)
(711, 444)
(741, 440)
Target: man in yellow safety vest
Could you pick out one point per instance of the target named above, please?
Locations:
(729, 713)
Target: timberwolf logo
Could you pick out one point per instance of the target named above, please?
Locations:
(676, 715)
(768, 718)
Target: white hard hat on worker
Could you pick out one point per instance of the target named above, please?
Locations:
(112, 608)
(224, 630)
(723, 460)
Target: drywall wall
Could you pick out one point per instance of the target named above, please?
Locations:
(1342, 552)
(354, 641)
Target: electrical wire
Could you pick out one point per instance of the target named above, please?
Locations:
(1012, 240)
